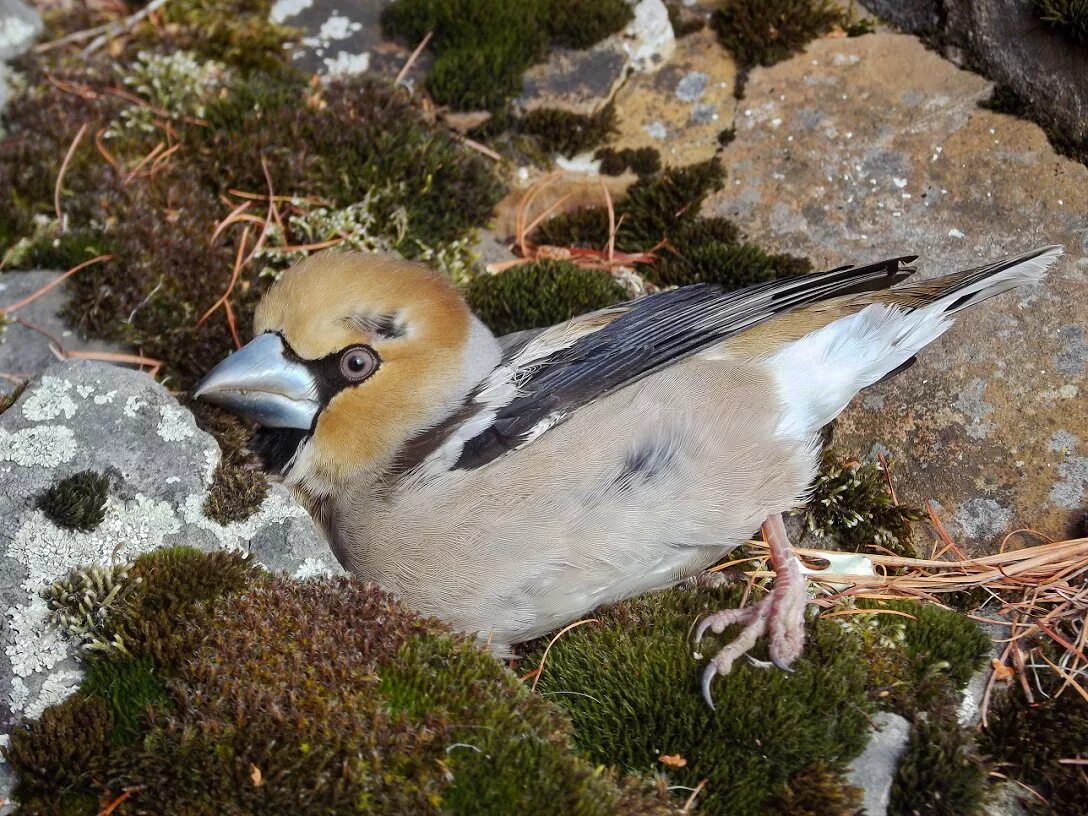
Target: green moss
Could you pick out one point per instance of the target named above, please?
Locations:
(763, 32)
(861, 27)
(655, 207)
(918, 664)
(77, 502)
(631, 686)
(1068, 16)
(559, 131)
(482, 47)
(643, 161)
(697, 260)
(584, 227)
(540, 293)
(581, 23)
(133, 691)
(238, 32)
(939, 774)
(1028, 740)
(850, 503)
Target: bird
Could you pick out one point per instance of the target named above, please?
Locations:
(510, 485)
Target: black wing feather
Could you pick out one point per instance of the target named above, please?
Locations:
(656, 332)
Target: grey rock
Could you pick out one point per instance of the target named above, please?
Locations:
(580, 82)
(343, 38)
(874, 770)
(20, 25)
(86, 415)
(25, 352)
(1006, 41)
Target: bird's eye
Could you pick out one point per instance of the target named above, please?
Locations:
(358, 363)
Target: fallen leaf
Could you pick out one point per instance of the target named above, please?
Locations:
(673, 760)
(255, 775)
(1001, 671)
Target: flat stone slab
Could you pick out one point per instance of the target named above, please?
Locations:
(872, 147)
(84, 415)
(25, 352)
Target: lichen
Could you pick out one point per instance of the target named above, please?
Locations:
(850, 503)
(763, 32)
(77, 502)
(540, 293)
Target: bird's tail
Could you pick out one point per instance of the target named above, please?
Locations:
(820, 373)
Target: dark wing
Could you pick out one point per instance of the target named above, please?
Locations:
(546, 375)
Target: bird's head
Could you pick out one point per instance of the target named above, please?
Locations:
(354, 355)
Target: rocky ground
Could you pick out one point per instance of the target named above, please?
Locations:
(856, 148)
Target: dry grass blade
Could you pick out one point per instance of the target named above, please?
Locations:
(60, 174)
(37, 293)
(412, 59)
(539, 670)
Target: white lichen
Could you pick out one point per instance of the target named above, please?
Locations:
(49, 399)
(41, 446)
(275, 509)
(105, 399)
(175, 424)
(133, 405)
(312, 568)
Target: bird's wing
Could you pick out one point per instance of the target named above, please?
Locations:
(544, 378)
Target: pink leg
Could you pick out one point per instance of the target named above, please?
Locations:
(780, 615)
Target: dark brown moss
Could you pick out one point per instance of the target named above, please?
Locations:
(1027, 740)
(763, 32)
(77, 502)
(939, 774)
(817, 790)
(643, 161)
(567, 133)
(683, 20)
(238, 486)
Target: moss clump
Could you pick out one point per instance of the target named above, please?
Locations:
(238, 485)
(482, 47)
(77, 502)
(58, 757)
(176, 586)
(682, 20)
(304, 697)
(696, 260)
(919, 663)
(850, 503)
(631, 686)
(1028, 740)
(939, 774)
(559, 131)
(1068, 16)
(540, 293)
(80, 603)
(818, 790)
(763, 32)
(727, 136)
(643, 161)
(8, 400)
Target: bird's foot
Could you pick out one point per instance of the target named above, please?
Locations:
(780, 615)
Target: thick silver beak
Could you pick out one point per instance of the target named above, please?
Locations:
(259, 383)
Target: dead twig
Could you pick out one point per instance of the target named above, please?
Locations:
(6, 310)
(411, 59)
(60, 174)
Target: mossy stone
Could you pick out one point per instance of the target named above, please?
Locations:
(631, 687)
(482, 47)
(77, 502)
(540, 293)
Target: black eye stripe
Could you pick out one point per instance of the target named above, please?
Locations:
(326, 370)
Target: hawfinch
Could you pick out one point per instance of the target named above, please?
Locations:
(510, 485)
